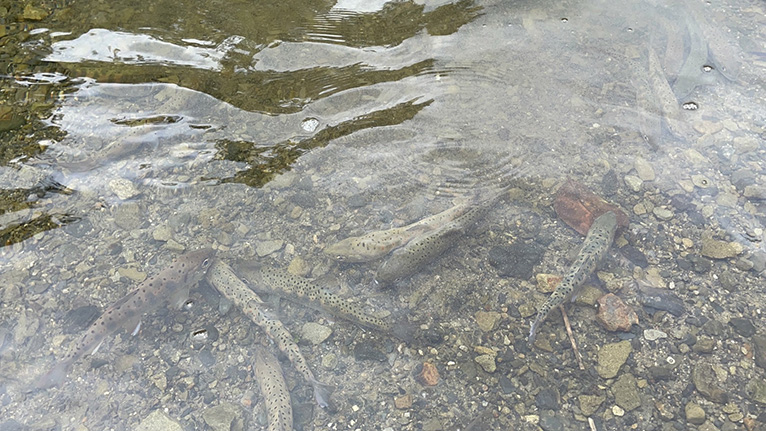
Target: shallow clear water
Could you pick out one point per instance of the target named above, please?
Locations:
(270, 130)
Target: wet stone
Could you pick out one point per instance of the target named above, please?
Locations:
(614, 315)
(662, 213)
(626, 392)
(759, 350)
(644, 169)
(654, 334)
(611, 357)
(403, 402)
(548, 399)
(487, 320)
(704, 345)
(706, 383)
(742, 326)
(223, 417)
(694, 413)
(315, 333)
(756, 390)
(590, 403)
(207, 358)
(265, 248)
(713, 328)
(550, 421)
(158, 421)
(127, 216)
(660, 372)
(634, 183)
(487, 363)
(364, 351)
(516, 261)
(717, 249)
(427, 374)
(124, 189)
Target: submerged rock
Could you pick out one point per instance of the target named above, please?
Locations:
(615, 315)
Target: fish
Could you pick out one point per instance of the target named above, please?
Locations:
(274, 391)
(170, 286)
(375, 245)
(225, 280)
(305, 292)
(594, 248)
(422, 250)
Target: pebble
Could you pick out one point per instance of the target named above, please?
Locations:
(755, 192)
(634, 183)
(223, 416)
(759, 350)
(590, 403)
(548, 399)
(716, 249)
(315, 333)
(32, 13)
(127, 216)
(618, 411)
(124, 189)
(487, 320)
(487, 362)
(162, 233)
(756, 390)
(403, 402)
(611, 357)
(654, 334)
(517, 261)
(550, 421)
(662, 213)
(706, 383)
(742, 326)
(428, 375)
(298, 266)
(614, 314)
(132, 274)
(694, 413)
(704, 345)
(644, 169)
(330, 361)
(546, 283)
(158, 421)
(265, 248)
(589, 295)
(625, 392)
(701, 181)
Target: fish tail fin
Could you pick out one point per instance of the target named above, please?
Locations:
(322, 392)
(533, 331)
(54, 377)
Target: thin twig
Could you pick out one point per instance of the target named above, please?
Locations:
(571, 338)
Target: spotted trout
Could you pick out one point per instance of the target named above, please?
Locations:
(223, 278)
(594, 248)
(305, 292)
(375, 245)
(422, 250)
(274, 391)
(170, 286)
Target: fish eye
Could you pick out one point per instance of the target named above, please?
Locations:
(206, 262)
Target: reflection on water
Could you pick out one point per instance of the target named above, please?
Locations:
(130, 134)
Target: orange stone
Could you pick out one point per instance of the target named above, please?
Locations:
(403, 402)
(429, 375)
(578, 207)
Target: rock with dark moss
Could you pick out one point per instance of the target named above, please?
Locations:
(706, 383)
(742, 326)
(516, 261)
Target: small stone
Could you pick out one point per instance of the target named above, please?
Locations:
(618, 411)
(546, 283)
(516, 261)
(626, 393)
(755, 192)
(487, 362)
(403, 402)
(124, 189)
(32, 13)
(158, 421)
(694, 413)
(548, 399)
(315, 333)
(588, 295)
(550, 421)
(611, 357)
(706, 382)
(759, 350)
(639, 209)
(654, 334)
(223, 416)
(634, 183)
(128, 216)
(742, 326)
(590, 403)
(615, 315)
(726, 200)
(662, 213)
(756, 390)
(704, 345)
(330, 361)
(160, 381)
(429, 375)
(132, 274)
(717, 249)
(708, 127)
(162, 233)
(487, 320)
(644, 169)
(265, 248)
(298, 266)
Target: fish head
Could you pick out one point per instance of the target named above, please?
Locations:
(340, 251)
